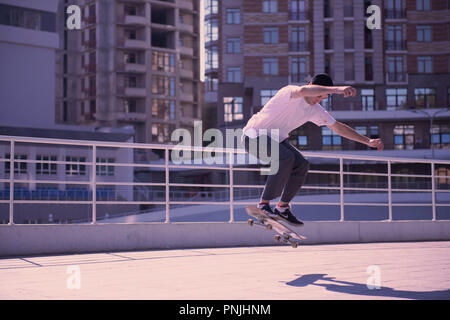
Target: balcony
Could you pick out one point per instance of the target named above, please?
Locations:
(183, 27)
(185, 5)
(135, 67)
(135, 92)
(396, 77)
(188, 74)
(298, 46)
(135, 20)
(131, 116)
(186, 51)
(298, 16)
(135, 44)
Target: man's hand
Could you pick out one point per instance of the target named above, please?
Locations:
(346, 91)
(376, 143)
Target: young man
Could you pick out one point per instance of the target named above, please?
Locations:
(290, 108)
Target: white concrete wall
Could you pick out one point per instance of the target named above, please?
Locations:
(27, 77)
(51, 239)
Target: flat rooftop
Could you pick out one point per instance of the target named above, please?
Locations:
(402, 270)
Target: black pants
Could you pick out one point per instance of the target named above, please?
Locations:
(292, 169)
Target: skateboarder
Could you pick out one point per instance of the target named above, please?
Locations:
(288, 109)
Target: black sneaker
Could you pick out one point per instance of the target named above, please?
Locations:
(267, 209)
(287, 216)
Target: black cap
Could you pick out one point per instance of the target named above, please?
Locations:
(322, 79)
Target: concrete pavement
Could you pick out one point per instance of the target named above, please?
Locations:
(402, 270)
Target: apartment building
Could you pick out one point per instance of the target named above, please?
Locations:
(132, 63)
(401, 71)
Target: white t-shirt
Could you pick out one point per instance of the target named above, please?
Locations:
(286, 114)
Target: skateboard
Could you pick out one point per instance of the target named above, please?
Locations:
(285, 234)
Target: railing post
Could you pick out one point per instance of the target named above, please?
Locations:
(389, 190)
(433, 191)
(341, 186)
(11, 184)
(231, 189)
(166, 157)
(94, 183)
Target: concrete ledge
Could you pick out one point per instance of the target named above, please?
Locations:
(22, 240)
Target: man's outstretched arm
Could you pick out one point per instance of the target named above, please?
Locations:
(313, 90)
(349, 133)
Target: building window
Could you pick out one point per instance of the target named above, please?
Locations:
(19, 167)
(298, 69)
(298, 10)
(368, 99)
(270, 6)
(162, 109)
(368, 68)
(212, 58)
(211, 84)
(424, 33)
(211, 7)
(425, 64)
(331, 140)
(395, 68)
(45, 167)
(440, 136)
(233, 108)
(448, 95)
(163, 85)
(266, 95)
(75, 167)
(234, 74)
(298, 39)
(394, 37)
(425, 97)
(163, 61)
(160, 132)
(299, 138)
(270, 35)
(233, 16)
(396, 98)
(211, 30)
(327, 103)
(104, 169)
(270, 66)
(404, 137)
(423, 5)
(233, 45)
(327, 9)
(130, 105)
(27, 18)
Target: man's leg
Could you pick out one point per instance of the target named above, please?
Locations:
(276, 182)
(297, 177)
(294, 183)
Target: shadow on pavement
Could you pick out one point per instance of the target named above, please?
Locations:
(362, 289)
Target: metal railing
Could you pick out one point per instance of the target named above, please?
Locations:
(229, 167)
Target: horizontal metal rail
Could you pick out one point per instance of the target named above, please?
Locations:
(92, 148)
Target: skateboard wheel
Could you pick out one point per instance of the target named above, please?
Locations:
(294, 244)
(286, 237)
(277, 238)
(269, 227)
(250, 222)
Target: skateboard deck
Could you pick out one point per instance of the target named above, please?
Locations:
(285, 234)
